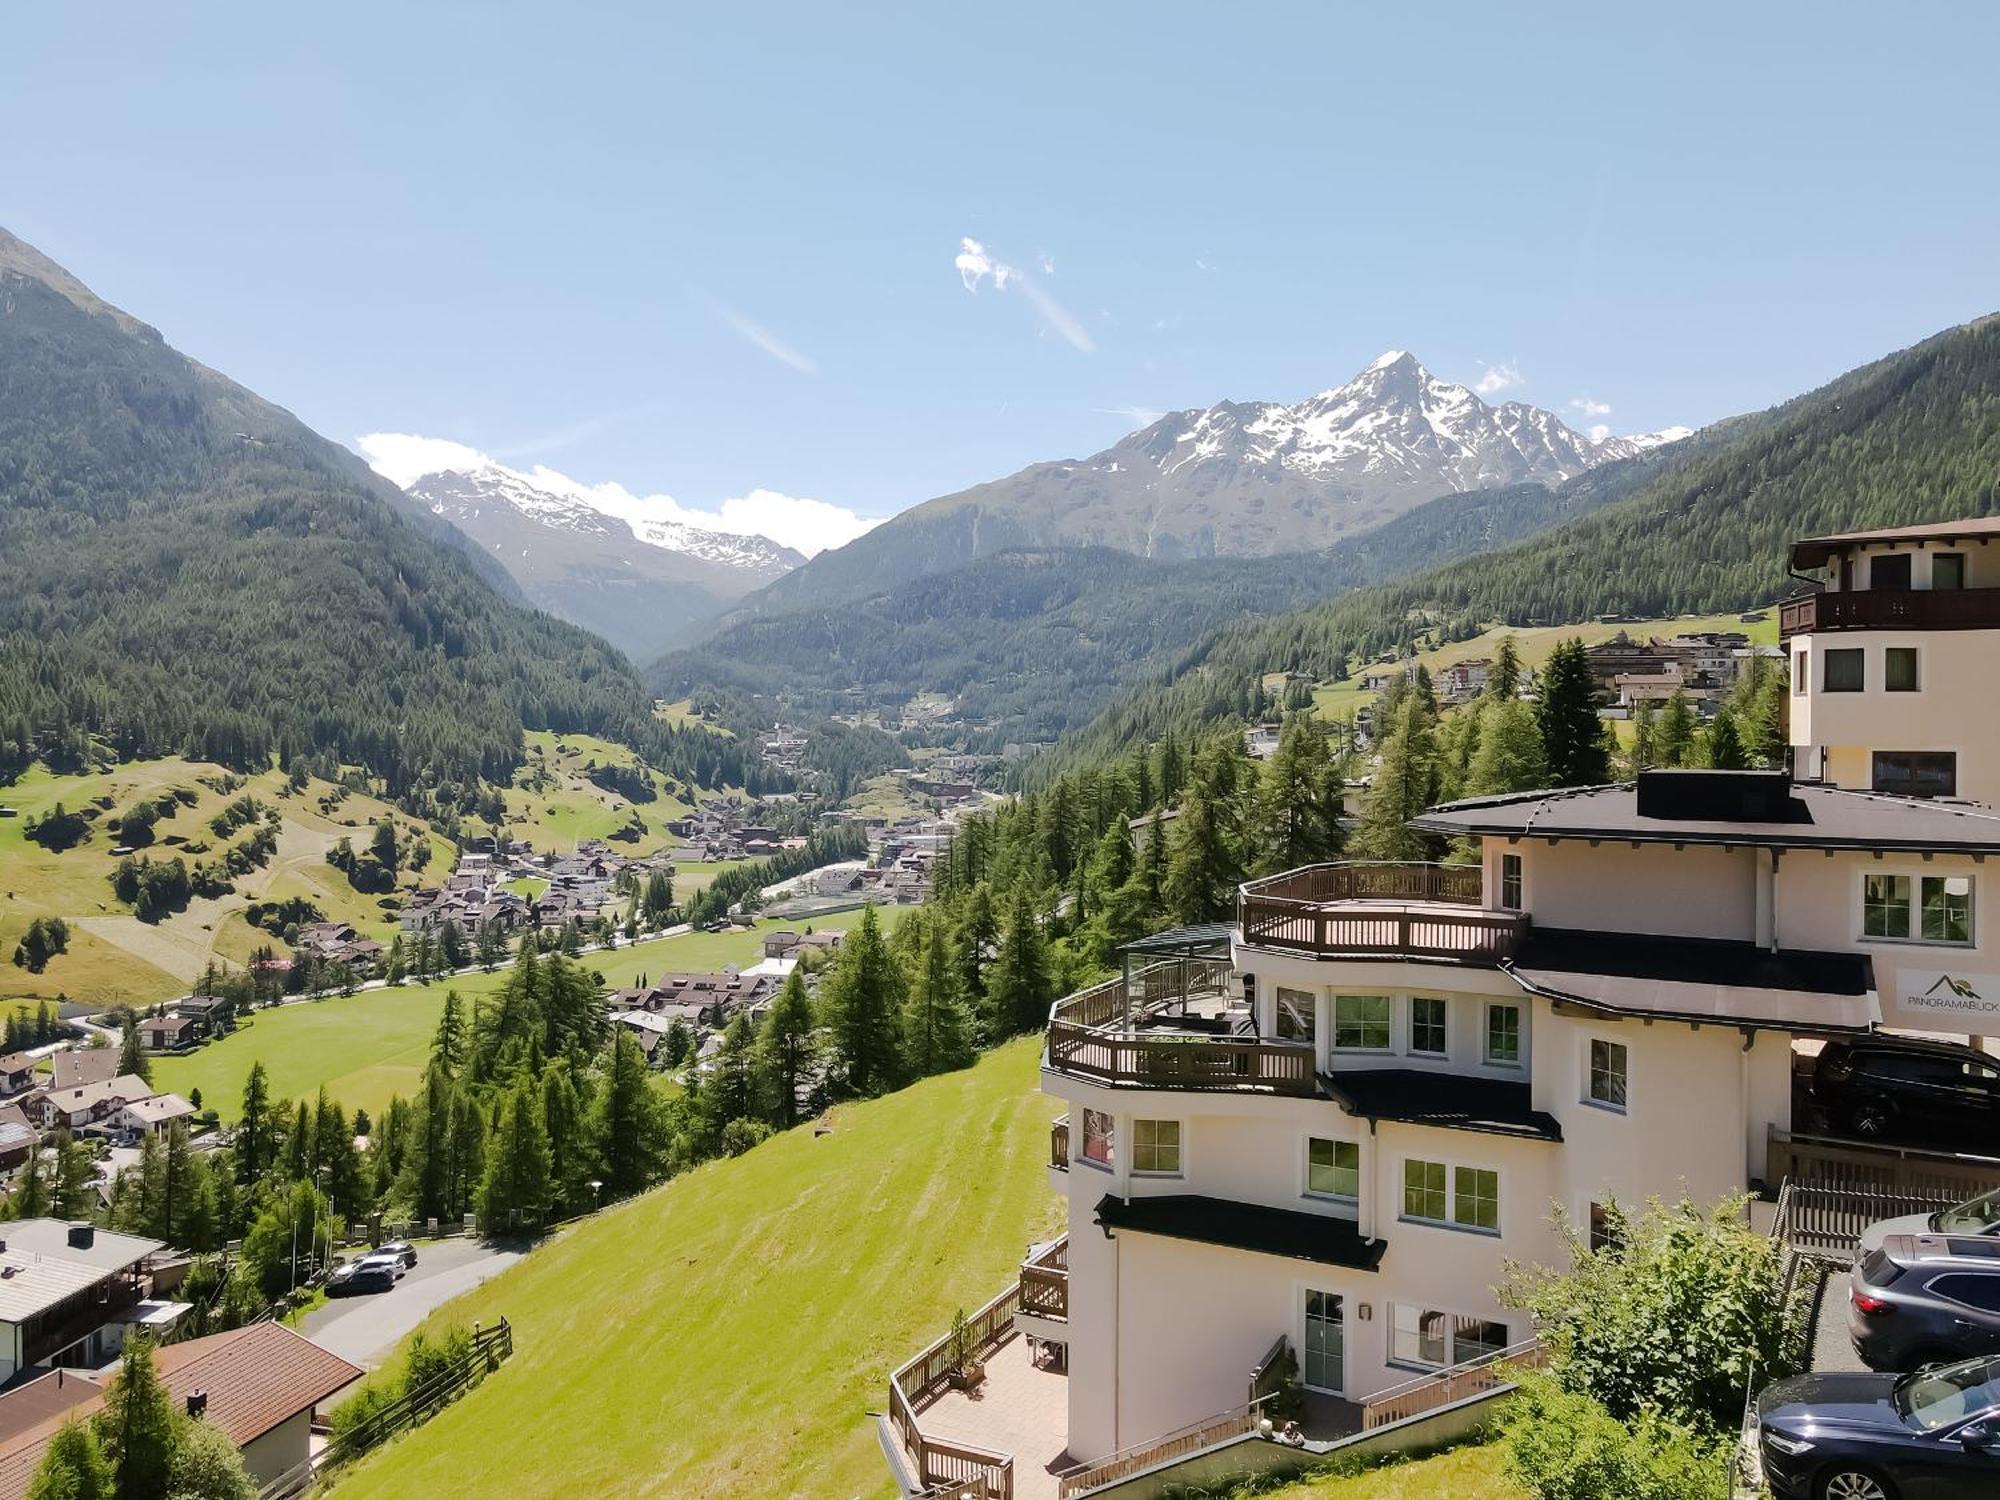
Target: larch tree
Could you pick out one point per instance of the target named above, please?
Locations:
(863, 997)
(937, 1030)
(1019, 989)
(786, 1046)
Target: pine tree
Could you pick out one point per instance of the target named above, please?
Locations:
(1205, 853)
(448, 1045)
(937, 1030)
(978, 933)
(1298, 799)
(131, 1056)
(468, 1151)
(519, 1178)
(628, 1126)
(1643, 738)
(1404, 784)
(1724, 745)
(731, 1093)
(395, 967)
(1673, 736)
(863, 996)
(785, 1049)
(31, 1198)
(570, 1162)
(139, 1425)
(1019, 989)
(1503, 678)
(1573, 738)
(1510, 751)
(73, 1467)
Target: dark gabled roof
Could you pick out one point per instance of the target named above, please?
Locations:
(1817, 817)
(1813, 551)
(1452, 1101)
(1322, 1238)
(1698, 979)
(1207, 938)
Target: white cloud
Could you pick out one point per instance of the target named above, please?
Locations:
(1589, 407)
(1138, 416)
(976, 266)
(811, 526)
(1501, 377)
(762, 337)
(1599, 433)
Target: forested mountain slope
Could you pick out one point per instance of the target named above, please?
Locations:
(1035, 641)
(1910, 438)
(187, 569)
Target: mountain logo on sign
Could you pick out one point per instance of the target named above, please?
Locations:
(1959, 987)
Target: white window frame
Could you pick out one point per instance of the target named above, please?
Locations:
(1179, 1168)
(1443, 1052)
(1913, 937)
(1347, 1305)
(1451, 1360)
(1108, 1163)
(1306, 1169)
(1486, 1057)
(1388, 998)
(1451, 1220)
(1591, 1042)
(1519, 879)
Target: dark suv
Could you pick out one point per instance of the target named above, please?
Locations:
(1910, 1092)
(1925, 1299)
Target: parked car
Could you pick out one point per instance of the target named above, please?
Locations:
(403, 1250)
(1910, 1092)
(1922, 1299)
(1934, 1435)
(388, 1260)
(1974, 1217)
(358, 1278)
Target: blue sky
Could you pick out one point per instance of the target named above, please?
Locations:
(710, 250)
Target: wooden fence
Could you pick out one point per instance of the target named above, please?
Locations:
(1844, 1185)
(1476, 1377)
(1045, 1282)
(939, 1462)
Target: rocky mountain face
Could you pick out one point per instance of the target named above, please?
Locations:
(1240, 479)
(643, 581)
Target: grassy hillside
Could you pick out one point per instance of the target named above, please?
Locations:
(1470, 1473)
(369, 1047)
(113, 957)
(553, 803)
(726, 1334)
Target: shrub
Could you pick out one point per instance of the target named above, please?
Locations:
(1562, 1445)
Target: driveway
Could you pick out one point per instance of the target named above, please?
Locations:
(366, 1329)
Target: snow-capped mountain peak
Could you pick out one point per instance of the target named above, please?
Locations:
(1393, 426)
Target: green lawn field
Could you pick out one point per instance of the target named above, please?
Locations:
(369, 1047)
(1470, 1473)
(725, 1335)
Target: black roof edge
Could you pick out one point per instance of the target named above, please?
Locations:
(1733, 1023)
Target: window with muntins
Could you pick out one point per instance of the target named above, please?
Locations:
(1475, 1198)
(1361, 1023)
(1457, 1197)
(1845, 670)
(1424, 1194)
(1156, 1146)
(1099, 1132)
(1925, 909)
(1333, 1168)
(1510, 881)
(1427, 1025)
(1607, 1073)
(1426, 1337)
(1503, 1034)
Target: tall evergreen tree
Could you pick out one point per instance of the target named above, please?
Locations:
(785, 1050)
(1724, 744)
(937, 1030)
(139, 1425)
(1673, 735)
(629, 1126)
(132, 1057)
(1299, 799)
(1573, 739)
(254, 1144)
(519, 1180)
(1503, 678)
(863, 999)
(1404, 784)
(1205, 851)
(73, 1466)
(1019, 990)
(1510, 751)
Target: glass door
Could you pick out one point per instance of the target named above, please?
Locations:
(1325, 1343)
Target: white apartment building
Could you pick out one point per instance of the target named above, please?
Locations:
(1893, 660)
(1343, 1132)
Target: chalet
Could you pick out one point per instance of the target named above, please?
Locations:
(79, 1108)
(170, 1033)
(778, 944)
(1463, 681)
(17, 1074)
(61, 1286)
(712, 999)
(258, 1384)
(17, 1136)
(152, 1116)
(83, 1065)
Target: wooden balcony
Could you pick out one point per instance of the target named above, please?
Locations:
(1171, 1061)
(1059, 1144)
(1393, 911)
(1045, 1282)
(1890, 609)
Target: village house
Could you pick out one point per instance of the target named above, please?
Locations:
(258, 1384)
(17, 1074)
(17, 1136)
(169, 1033)
(1462, 681)
(713, 999)
(61, 1287)
(83, 1065)
(153, 1115)
(78, 1109)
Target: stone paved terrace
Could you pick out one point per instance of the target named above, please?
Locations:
(1020, 1408)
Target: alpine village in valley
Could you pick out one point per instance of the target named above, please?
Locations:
(1135, 752)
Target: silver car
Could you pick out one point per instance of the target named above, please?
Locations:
(1976, 1217)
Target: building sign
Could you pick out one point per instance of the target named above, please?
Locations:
(1951, 1001)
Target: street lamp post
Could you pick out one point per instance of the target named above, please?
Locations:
(596, 1194)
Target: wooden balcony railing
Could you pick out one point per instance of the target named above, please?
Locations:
(1374, 880)
(1183, 1062)
(1833, 1189)
(1045, 1283)
(915, 1383)
(1890, 609)
(1476, 1377)
(1059, 1144)
(1433, 931)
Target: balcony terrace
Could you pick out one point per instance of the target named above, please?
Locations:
(1429, 913)
(1890, 609)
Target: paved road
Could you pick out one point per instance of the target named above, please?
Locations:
(366, 1329)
